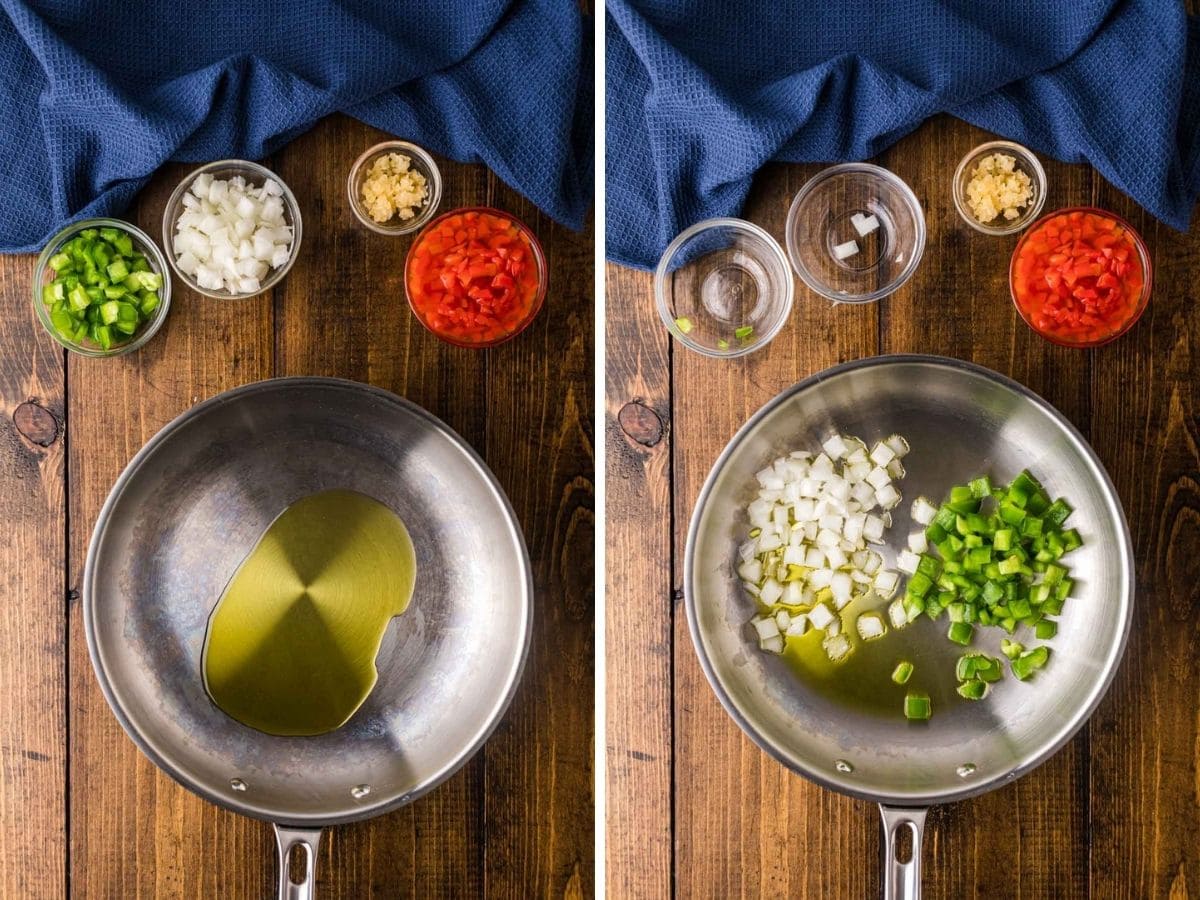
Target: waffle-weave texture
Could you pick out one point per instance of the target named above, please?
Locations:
(96, 94)
(701, 94)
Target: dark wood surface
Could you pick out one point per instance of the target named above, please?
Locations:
(694, 808)
(82, 813)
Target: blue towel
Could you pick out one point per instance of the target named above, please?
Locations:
(701, 94)
(96, 94)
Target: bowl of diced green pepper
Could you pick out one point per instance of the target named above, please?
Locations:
(101, 287)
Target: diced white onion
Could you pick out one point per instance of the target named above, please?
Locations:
(812, 519)
(887, 497)
(917, 542)
(820, 578)
(798, 626)
(923, 511)
(771, 591)
(898, 444)
(873, 528)
(870, 626)
(765, 626)
(846, 250)
(896, 614)
(882, 454)
(837, 647)
(820, 616)
(840, 584)
(835, 447)
(864, 225)
(907, 562)
(878, 478)
(231, 234)
(886, 583)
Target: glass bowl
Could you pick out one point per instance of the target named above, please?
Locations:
(254, 174)
(535, 306)
(421, 162)
(43, 275)
(723, 287)
(1143, 258)
(1026, 162)
(822, 218)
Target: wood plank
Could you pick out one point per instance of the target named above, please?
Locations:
(1028, 838)
(741, 817)
(639, 601)
(342, 312)
(33, 597)
(1145, 736)
(538, 815)
(134, 832)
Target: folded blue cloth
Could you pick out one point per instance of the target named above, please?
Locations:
(701, 94)
(95, 95)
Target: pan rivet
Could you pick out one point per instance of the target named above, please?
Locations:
(842, 766)
(965, 769)
(237, 784)
(359, 791)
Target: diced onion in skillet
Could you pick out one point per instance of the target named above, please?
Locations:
(807, 559)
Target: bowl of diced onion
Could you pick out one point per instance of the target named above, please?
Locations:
(231, 228)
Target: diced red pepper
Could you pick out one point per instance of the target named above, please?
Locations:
(468, 280)
(1077, 276)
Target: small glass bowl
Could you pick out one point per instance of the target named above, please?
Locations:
(723, 287)
(421, 162)
(1143, 257)
(821, 218)
(254, 174)
(1027, 162)
(43, 275)
(534, 308)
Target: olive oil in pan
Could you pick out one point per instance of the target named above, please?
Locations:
(291, 643)
(863, 681)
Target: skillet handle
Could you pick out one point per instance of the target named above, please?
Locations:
(287, 839)
(901, 880)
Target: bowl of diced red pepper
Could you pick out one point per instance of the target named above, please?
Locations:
(1080, 277)
(475, 277)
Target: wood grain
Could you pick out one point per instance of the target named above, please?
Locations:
(33, 597)
(1116, 813)
(83, 813)
(638, 597)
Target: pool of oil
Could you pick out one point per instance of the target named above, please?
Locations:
(863, 680)
(292, 641)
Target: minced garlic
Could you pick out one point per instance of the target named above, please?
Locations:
(393, 189)
(998, 187)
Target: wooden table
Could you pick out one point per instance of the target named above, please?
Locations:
(697, 810)
(82, 812)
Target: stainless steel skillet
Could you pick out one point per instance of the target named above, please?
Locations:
(961, 420)
(186, 512)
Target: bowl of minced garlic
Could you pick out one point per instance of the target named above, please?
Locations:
(394, 187)
(999, 187)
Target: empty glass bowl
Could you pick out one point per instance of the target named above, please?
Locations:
(825, 216)
(723, 287)
(1026, 162)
